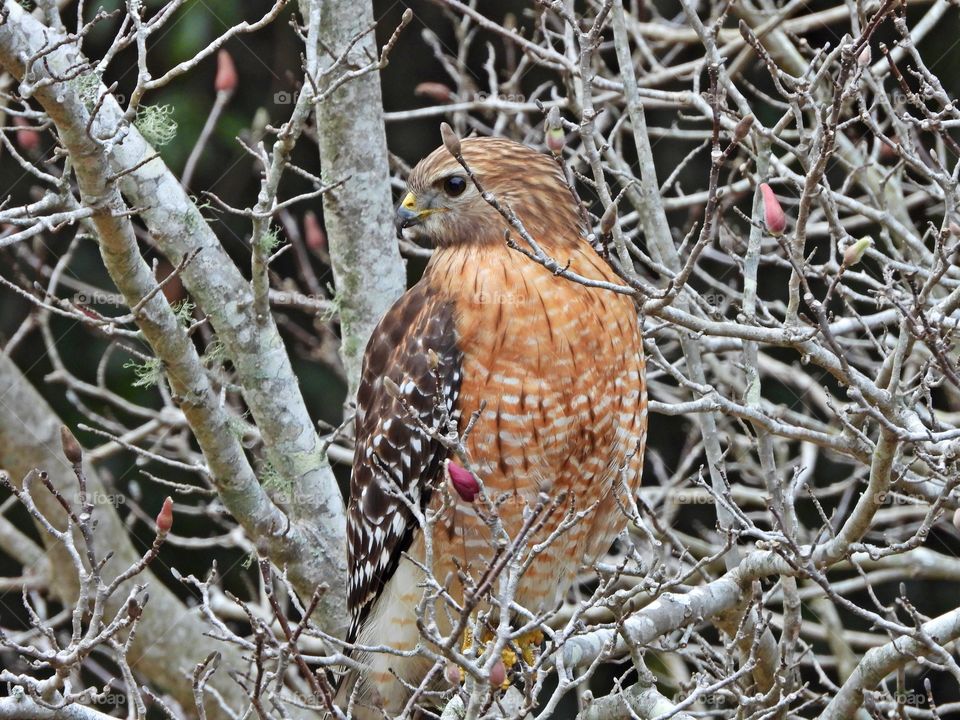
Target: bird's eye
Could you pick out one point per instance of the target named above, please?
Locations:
(455, 185)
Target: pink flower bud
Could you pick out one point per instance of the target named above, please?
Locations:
(498, 674)
(556, 140)
(226, 80)
(438, 92)
(741, 129)
(27, 138)
(165, 517)
(453, 674)
(888, 154)
(313, 234)
(463, 481)
(773, 216)
(553, 132)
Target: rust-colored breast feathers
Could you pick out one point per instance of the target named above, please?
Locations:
(557, 369)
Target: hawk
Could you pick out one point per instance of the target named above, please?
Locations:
(547, 372)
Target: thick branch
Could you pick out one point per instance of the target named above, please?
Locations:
(358, 214)
(310, 550)
(170, 638)
(880, 662)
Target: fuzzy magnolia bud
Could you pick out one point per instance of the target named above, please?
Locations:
(956, 518)
(855, 252)
(450, 139)
(165, 516)
(453, 674)
(773, 216)
(226, 79)
(134, 609)
(71, 448)
(463, 481)
(741, 129)
(313, 234)
(609, 219)
(554, 136)
(393, 390)
(27, 138)
(258, 127)
(438, 92)
(865, 56)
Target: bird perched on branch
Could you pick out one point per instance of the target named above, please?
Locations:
(491, 367)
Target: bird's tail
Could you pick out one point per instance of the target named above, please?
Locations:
(344, 685)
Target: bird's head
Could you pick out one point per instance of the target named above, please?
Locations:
(444, 207)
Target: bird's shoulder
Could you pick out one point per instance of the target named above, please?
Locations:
(408, 390)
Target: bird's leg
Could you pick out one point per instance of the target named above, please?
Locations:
(465, 646)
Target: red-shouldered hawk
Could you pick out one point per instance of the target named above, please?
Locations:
(557, 368)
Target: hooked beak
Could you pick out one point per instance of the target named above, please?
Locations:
(408, 214)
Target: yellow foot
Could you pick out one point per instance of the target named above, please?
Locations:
(465, 647)
(527, 644)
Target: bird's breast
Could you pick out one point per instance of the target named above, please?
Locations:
(553, 371)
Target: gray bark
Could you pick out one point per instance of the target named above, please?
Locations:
(358, 215)
(311, 549)
(169, 639)
(880, 662)
(23, 708)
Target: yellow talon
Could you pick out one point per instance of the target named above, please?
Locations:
(528, 644)
(465, 647)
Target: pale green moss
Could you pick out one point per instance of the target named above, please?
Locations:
(146, 374)
(156, 124)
